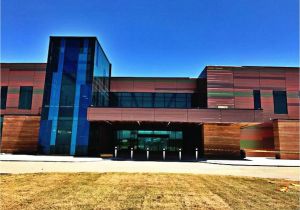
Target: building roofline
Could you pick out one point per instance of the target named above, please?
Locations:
(94, 37)
(23, 66)
(22, 63)
(220, 66)
(84, 37)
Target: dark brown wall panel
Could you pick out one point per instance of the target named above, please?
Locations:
(20, 134)
(286, 138)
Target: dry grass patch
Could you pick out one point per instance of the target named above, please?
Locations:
(144, 191)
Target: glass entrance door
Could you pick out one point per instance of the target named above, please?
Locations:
(155, 140)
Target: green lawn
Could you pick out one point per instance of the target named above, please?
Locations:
(144, 191)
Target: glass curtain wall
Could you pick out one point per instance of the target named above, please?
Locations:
(67, 94)
(101, 79)
(151, 100)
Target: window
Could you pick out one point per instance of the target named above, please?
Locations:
(149, 100)
(280, 102)
(159, 101)
(126, 100)
(181, 100)
(3, 97)
(25, 98)
(256, 97)
(170, 100)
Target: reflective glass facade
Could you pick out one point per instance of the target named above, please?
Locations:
(155, 140)
(72, 64)
(101, 78)
(152, 100)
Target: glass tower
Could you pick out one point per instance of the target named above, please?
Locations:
(77, 76)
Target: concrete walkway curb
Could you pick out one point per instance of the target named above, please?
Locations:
(46, 158)
(258, 161)
(254, 161)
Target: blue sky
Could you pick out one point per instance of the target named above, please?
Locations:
(158, 37)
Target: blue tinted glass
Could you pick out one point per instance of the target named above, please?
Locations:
(68, 93)
(170, 100)
(181, 100)
(147, 100)
(159, 100)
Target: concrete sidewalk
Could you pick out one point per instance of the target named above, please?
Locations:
(254, 161)
(16, 167)
(258, 161)
(46, 158)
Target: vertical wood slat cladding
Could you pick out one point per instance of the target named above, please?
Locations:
(134, 84)
(286, 138)
(257, 139)
(221, 140)
(245, 80)
(15, 75)
(20, 134)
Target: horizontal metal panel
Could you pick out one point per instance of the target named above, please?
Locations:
(172, 115)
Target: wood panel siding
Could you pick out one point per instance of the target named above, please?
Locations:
(233, 87)
(220, 87)
(286, 138)
(15, 75)
(221, 140)
(20, 134)
(257, 139)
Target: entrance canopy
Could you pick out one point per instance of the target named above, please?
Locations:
(173, 115)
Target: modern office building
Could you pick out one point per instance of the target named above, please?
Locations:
(72, 106)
